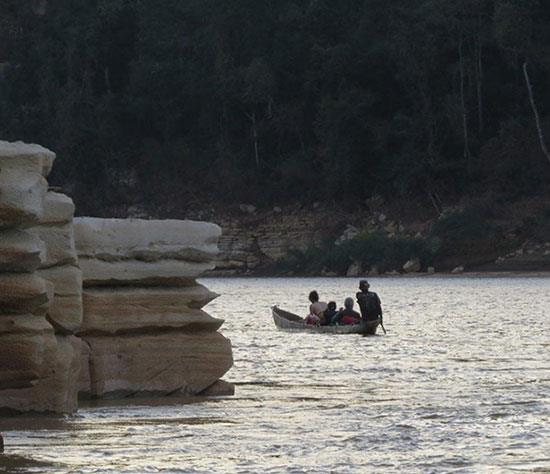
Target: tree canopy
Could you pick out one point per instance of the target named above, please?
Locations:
(278, 100)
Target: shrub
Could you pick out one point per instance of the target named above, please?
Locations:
(462, 231)
(375, 249)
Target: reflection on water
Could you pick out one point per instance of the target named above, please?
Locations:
(461, 383)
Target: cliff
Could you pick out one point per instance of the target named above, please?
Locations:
(144, 326)
(122, 317)
(379, 237)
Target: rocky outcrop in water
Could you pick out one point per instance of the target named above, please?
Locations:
(143, 324)
(137, 328)
(38, 357)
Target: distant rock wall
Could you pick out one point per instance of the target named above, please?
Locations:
(248, 243)
(143, 324)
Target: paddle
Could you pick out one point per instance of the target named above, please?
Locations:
(382, 325)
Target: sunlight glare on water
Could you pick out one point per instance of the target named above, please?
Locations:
(461, 383)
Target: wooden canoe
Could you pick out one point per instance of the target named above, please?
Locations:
(292, 322)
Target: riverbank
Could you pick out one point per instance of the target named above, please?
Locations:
(482, 235)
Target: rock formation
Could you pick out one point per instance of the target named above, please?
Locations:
(138, 328)
(37, 366)
(143, 324)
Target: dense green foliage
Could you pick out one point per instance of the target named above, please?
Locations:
(273, 100)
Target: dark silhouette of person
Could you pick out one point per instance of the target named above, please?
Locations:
(369, 302)
(1, 444)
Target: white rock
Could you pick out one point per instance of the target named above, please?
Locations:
(349, 233)
(412, 266)
(65, 311)
(248, 208)
(67, 279)
(29, 153)
(99, 272)
(22, 184)
(354, 270)
(24, 324)
(58, 209)
(21, 197)
(65, 314)
(22, 293)
(20, 251)
(458, 269)
(26, 345)
(187, 363)
(147, 240)
(60, 245)
(56, 390)
(125, 310)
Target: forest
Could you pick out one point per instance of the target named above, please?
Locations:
(182, 102)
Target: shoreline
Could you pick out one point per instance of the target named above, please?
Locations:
(473, 274)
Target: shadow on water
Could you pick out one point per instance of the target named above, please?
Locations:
(9, 464)
(197, 420)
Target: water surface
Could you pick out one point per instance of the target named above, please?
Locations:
(461, 383)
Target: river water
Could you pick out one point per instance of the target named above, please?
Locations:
(461, 383)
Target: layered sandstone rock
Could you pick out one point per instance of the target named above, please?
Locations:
(157, 363)
(144, 327)
(22, 183)
(38, 370)
(132, 309)
(20, 251)
(27, 345)
(56, 390)
(25, 336)
(60, 265)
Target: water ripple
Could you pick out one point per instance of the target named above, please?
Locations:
(458, 385)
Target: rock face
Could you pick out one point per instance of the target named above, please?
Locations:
(143, 326)
(38, 369)
(20, 251)
(185, 363)
(60, 265)
(23, 183)
(247, 244)
(137, 328)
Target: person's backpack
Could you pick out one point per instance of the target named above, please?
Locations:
(369, 305)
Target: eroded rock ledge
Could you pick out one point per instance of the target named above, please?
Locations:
(143, 323)
(116, 312)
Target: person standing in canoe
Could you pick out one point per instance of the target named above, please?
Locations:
(369, 302)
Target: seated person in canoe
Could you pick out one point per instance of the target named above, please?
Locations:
(316, 309)
(329, 313)
(347, 315)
